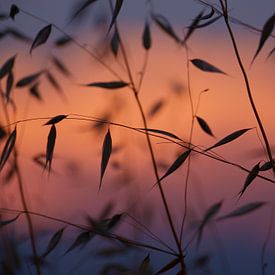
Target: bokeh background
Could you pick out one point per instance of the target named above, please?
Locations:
(71, 192)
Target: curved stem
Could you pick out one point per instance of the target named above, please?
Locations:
(23, 199)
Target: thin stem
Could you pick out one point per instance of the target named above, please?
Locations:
(246, 80)
(23, 198)
(189, 142)
(138, 130)
(163, 197)
(86, 228)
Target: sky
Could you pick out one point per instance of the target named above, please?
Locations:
(71, 191)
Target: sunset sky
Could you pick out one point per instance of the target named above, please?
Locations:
(71, 191)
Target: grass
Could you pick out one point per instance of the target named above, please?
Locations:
(186, 230)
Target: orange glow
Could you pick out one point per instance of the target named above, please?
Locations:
(72, 188)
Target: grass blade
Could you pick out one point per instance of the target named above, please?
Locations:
(266, 32)
(243, 210)
(204, 126)
(6, 222)
(54, 241)
(108, 85)
(7, 67)
(146, 37)
(205, 66)
(165, 25)
(55, 119)
(115, 42)
(81, 240)
(41, 37)
(177, 163)
(106, 153)
(169, 266)
(209, 215)
(250, 177)
(115, 13)
(229, 138)
(50, 147)
(8, 149)
(162, 132)
(28, 80)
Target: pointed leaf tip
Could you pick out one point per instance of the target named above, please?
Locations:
(106, 153)
(205, 66)
(116, 11)
(54, 241)
(250, 177)
(177, 163)
(55, 119)
(41, 37)
(266, 32)
(146, 37)
(8, 148)
(50, 146)
(243, 210)
(204, 126)
(229, 138)
(108, 85)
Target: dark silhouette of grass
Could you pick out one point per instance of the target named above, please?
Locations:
(105, 224)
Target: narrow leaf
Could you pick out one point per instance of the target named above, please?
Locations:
(6, 222)
(209, 15)
(162, 132)
(250, 177)
(61, 66)
(81, 240)
(54, 82)
(55, 119)
(164, 24)
(108, 85)
(209, 22)
(8, 148)
(267, 165)
(50, 147)
(229, 138)
(9, 85)
(144, 267)
(193, 26)
(55, 239)
(177, 163)
(203, 124)
(243, 210)
(169, 266)
(14, 10)
(115, 41)
(34, 92)
(62, 41)
(205, 66)
(114, 221)
(116, 11)
(155, 108)
(7, 67)
(28, 80)
(146, 37)
(266, 32)
(41, 37)
(208, 216)
(106, 153)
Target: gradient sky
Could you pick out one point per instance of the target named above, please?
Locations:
(72, 188)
